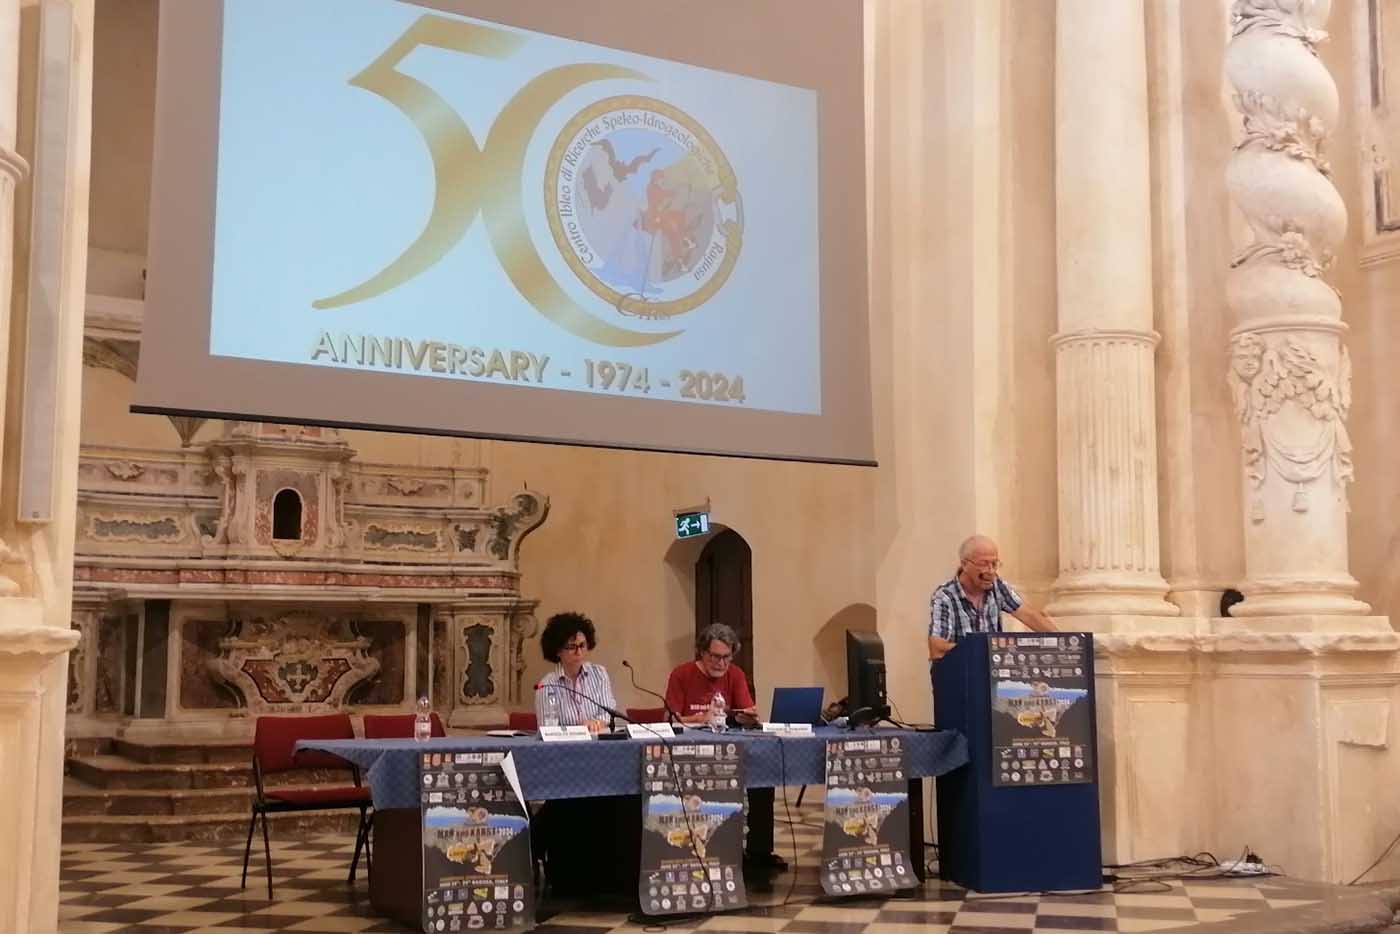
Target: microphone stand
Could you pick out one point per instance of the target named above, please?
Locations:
(672, 717)
(613, 715)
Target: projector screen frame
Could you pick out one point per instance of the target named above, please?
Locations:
(181, 263)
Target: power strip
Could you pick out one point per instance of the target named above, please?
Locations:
(1244, 867)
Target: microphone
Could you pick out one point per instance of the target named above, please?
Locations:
(671, 716)
(613, 715)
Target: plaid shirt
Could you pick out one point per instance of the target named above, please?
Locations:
(951, 614)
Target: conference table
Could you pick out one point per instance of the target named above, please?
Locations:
(595, 768)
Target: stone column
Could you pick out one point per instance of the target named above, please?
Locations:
(27, 647)
(1105, 415)
(1289, 371)
(13, 170)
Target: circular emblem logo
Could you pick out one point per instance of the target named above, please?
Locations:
(644, 206)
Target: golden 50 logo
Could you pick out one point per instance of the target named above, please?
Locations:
(640, 200)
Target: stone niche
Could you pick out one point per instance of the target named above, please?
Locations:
(269, 571)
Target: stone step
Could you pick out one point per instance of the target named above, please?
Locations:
(145, 828)
(120, 772)
(83, 800)
(183, 753)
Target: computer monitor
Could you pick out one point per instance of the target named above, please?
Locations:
(865, 678)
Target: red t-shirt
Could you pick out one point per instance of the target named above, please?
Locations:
(690, 690)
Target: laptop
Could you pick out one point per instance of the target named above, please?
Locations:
(796, 705)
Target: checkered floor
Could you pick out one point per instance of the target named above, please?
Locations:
(190, 887)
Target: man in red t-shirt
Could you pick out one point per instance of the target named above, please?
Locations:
(694, 684)
(689, 692)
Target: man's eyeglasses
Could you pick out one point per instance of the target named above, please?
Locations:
(719, 659)
(574, 646)
(991, 565)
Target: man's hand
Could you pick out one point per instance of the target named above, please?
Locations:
(937, 648)
(596, 726)
(747, 716)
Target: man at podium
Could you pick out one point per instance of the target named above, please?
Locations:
(974, 599)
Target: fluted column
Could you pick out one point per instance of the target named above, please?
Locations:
(1105, 413)
(1289, 371)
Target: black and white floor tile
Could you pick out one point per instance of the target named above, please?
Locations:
(181, 888)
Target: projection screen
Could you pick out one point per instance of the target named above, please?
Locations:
(619, 223)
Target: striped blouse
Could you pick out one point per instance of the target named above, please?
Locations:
(592, 682)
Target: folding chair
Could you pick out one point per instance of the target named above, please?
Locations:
(274, 752)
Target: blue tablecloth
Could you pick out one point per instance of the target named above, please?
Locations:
(592, 769)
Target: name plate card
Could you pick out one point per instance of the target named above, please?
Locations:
(650, 730)
(789, 729)
(565, 734)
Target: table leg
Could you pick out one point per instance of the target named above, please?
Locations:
(396, 884)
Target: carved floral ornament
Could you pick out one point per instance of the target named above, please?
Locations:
(506, 520)
(1286, 18)
(125, 470)
(405, 486)
(1294, 131)
(1289, 247)
(1292, 416)
(295, 659)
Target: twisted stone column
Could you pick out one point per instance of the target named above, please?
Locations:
(1106, 414)
(1289, 371)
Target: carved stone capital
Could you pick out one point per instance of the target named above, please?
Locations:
(41, 642)
(27, 648)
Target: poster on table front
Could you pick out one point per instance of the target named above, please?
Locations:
(865, 837)
(476, 846)
(692, 828)
(1042, 709)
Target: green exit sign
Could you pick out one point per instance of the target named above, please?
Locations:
(691, 524)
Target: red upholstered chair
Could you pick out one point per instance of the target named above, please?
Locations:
(524, 720)
(646, 714)
(397, 725)
(274, 753)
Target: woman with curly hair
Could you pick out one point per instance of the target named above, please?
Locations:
(585, 693)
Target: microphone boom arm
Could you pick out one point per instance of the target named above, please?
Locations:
(613, 715)
(672, 717)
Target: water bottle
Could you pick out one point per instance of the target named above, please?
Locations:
(551, 708)
(717, 713)
(423, 720)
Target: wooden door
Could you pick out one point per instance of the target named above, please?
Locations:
(724, 592)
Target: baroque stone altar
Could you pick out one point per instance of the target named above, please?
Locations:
(270, 571)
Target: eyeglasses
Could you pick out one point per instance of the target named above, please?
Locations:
(575, 646)
(991, 565)
(719, 659)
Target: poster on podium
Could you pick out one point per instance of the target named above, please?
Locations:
(1042, 709)
(477, 870)
(865, 838)
(692, 828)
